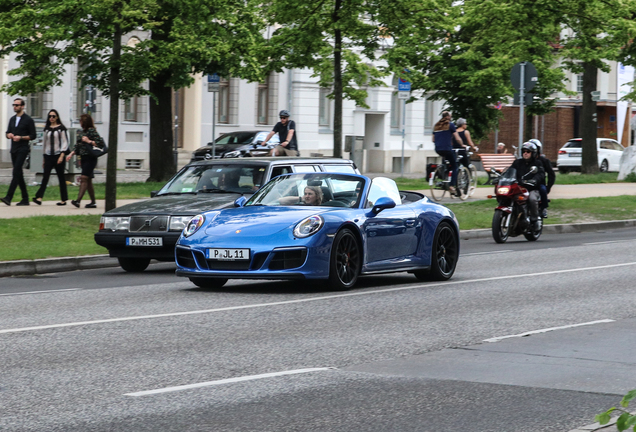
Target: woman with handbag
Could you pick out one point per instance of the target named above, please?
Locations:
(55, 147)
(87, 138)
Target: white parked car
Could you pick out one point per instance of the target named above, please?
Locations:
(609, 155)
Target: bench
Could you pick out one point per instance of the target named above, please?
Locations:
(500, 162)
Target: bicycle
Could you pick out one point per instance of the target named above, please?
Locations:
(439, 180)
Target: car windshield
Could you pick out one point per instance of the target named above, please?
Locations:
(219, 178)
(327, 190)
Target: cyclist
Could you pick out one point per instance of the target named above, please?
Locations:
(530, 181)
(544, 189)
(444, 132)
(465, 142)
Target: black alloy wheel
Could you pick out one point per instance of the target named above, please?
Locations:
(208, 283)
(134, 265)
(345, 262)
(444, 255)
(604, 166)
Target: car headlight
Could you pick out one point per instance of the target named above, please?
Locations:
(114, 223)
(178, 223)
(194, 225)
(309, 226)
(232, 154)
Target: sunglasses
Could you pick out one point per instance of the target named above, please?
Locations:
(17, 104)
(53, 116)
(282, 118)
(526, 151)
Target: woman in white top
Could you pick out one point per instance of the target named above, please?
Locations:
(55, 147)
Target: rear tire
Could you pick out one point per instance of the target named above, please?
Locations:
(345, 262)
(533, 235)
(134, 265)
(473, 179)
(463, 183)
(444, 255)
(563, 170)
(438, 187)
(604, 166)
(208, 283)
(499, 231)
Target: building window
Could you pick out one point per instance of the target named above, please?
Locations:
(396, 111)
(130, 109)
(224, 101)
(86, 98)
(262, 103)
(34, 102)
(324, 108)
(579, 83)
(429, 115)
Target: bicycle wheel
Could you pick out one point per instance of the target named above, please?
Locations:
(438, 184)
(473, 179)
(463, 182)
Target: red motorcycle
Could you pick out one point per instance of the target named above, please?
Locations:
(512, 217)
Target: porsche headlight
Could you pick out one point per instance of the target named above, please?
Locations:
(114, 223)
(232, 154)
(178, 223)
(309, 226)
(194, 225)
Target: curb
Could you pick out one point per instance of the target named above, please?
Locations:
(558, 228)
(56, 265)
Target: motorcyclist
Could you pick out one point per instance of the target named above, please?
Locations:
(544, 189)
(530, 181)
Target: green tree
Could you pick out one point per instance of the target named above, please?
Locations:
(47, 35)
(337, 39)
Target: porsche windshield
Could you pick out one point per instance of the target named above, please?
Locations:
(230, 178)
(327, 190)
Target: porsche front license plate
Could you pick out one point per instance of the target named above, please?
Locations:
(144, 241)
(229, 254)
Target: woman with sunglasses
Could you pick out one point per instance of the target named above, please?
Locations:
(86, 137)
(55, 147)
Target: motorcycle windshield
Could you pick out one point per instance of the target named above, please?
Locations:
(508, 177)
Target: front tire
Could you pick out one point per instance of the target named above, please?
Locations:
(444, 255)
(134, 265)
(499, 230)
(345, 262)
(208, 283)
(563, 170)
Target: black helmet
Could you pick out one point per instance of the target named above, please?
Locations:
(283, 113)
(538, 144)
(531, 147)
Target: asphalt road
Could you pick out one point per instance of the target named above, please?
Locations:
(103, 350)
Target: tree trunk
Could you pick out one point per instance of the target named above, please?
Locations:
(162, 164)
(113, 128)
(589, 159)
(337, 86)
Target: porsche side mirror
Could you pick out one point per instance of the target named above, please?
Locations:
(383, 203)
(240, 201)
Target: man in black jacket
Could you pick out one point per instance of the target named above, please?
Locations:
(530, 181)
(21, 130)
(544, 190)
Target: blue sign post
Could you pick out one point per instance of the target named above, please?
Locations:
(404, 92)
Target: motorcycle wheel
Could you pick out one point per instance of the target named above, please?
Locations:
(499, 231)
(438, 187)
(533, 235)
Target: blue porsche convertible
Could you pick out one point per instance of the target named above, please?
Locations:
(320, 226)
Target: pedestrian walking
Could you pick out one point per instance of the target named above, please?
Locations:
(54, 147)
(286, 130)
(86, 137)
(21, 130)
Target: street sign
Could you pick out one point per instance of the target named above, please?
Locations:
(596, 95)
(213, 82)
(530, 76)
(404, 94)
(404, 85)
(527, 98)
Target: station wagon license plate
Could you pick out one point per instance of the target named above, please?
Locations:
(144, 241)
(229, 254)
(575, 154)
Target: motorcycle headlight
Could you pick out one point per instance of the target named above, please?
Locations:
(309, 226)
(178, 223)
(503, 190)
(232, 154)
(117, 223)
(194, 225)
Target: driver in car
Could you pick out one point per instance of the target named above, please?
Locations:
(312, 197)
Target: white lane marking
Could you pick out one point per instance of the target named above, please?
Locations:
(227, 381)
(487, 253)
(40, 292)
(608, 242)
(497, 339)
(310, 299)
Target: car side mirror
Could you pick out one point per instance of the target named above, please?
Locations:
(153, 194)
(240, 201)
(382, 203)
